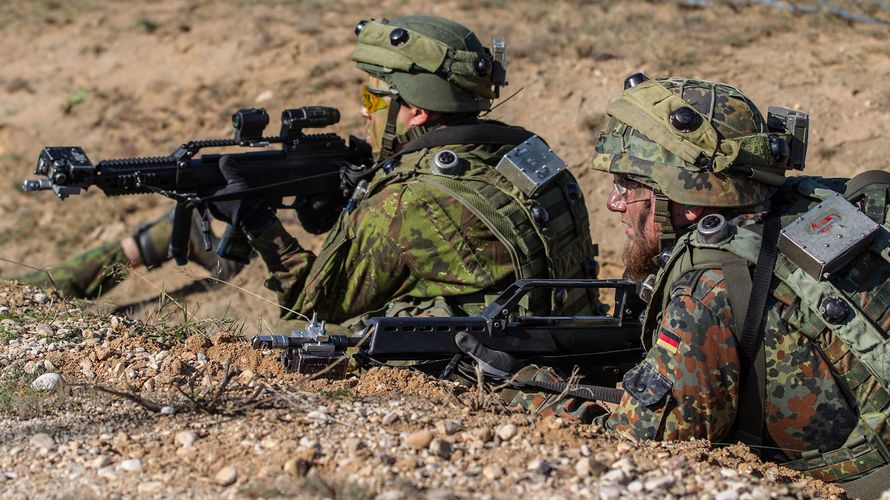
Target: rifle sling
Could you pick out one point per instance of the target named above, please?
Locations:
(589, 392)
(474, 133)
(753, 390)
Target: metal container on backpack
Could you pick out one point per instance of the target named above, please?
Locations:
(826, 237)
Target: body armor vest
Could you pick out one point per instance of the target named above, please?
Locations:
(854, 343)
(546, 236)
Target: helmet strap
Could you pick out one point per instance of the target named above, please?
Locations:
(390, 139)
(668, 234)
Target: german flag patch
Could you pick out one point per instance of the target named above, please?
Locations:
(668, 341)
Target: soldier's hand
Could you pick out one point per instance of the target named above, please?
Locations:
(494, 363)
(250, 215)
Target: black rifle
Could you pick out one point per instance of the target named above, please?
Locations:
(604, 347)
(306, 166)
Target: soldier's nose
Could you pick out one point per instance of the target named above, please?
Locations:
(616, 203)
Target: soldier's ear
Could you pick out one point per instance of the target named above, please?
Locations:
(415, 116)
(685, 215)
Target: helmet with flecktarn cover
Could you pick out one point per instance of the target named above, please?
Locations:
(696, 142)
(430, 62)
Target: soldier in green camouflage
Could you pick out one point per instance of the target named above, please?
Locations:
(437, 228)
(801, 376)
(96, 271)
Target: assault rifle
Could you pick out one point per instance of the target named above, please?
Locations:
(307, 166)
(604, 346)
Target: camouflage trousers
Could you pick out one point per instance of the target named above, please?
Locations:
(546, 404)
(87, 275)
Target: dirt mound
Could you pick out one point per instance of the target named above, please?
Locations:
(385, 382)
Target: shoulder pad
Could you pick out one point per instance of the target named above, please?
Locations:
(646, 384)
(530, 165)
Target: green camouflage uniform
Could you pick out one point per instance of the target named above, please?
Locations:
(425, 242)
(96, 271)
(412, 244)
(825, 405)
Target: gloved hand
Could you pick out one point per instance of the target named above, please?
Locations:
(250, 215)
(493, 363)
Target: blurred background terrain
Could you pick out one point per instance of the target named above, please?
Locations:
(138, 79)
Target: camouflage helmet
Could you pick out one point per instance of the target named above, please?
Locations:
(697, 142)
(431, 62)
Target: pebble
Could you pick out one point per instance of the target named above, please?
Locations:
(582, 467)
(659, 483)
(297, 467)
(42, 440)
(185, 438)
(441, 494)
(47, 382)
(390, 418)
(727, 495)
(441, 448)
(492, 471)
(448, 427)
(507, 432)
(615, 475)
(131, 465)
(99, 462)
(41, 298)
(635, 486)
(4, 309)
(539, 466)
(419, 440)
(168, 410)
(150, 487)
(45, 330)
(32, 367)
(317, 415)
(727, 472)
(226, 476)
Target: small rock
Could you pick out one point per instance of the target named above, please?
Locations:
(759, 493)
(635, 486)
(448, 427)
(131, 465)
(185, 438)
(150, 487)
(264, 96)
(168, 410)
(615, 476)
(45, 330)
(492, 472)
(506, 432)
(484, 434)
(539, 466)
(226, 476)
(40, 298)
(317, 415)
(609, 492)
(419, 440)
(297, 467)
(390, 418)
(32, 367)
(42, 440)
(47, 382)
(441, 494)
(582, 467)
(727, 495)
(99, 462)
(659, 483)
(441, 448)
(4, 309)
(246, 376)
(727, 472)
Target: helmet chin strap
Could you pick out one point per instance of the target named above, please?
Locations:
(667, 232)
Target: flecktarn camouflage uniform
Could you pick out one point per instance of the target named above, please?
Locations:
(825, 402)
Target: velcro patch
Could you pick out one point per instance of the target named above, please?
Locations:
(668, 341)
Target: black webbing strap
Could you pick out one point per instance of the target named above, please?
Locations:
(589, 392)
(753, 376)
(474, 133)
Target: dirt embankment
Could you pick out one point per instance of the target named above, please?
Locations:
(174, 428)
